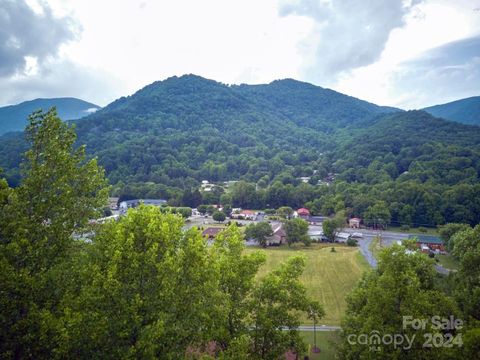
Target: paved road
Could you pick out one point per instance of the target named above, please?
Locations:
(388, 238)
(319, 328)
(364, 245)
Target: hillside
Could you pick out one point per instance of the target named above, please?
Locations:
(14, 117)
(192, 128)
(169, 136)
(466, 111)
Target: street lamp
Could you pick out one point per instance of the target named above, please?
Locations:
(313, 315)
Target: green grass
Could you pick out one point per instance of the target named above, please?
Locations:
(328, 276)
(325, 341)
(414, 231)
(375, 247)
(447, 261)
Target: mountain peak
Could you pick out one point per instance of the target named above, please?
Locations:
(466, 111)
(14, 117)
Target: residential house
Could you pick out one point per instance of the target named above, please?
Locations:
(354, 223)
(113, 203)
(428, 243)
(303, 213)
(279, 236)
(244, 214)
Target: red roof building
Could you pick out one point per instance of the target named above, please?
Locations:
(354, 223)
(303, 212)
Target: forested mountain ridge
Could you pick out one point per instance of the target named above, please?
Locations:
(14, 117)
(466, 111)
(166, 138)
(310, 105)
(191, 127)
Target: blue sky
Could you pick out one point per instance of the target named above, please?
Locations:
(405, 53)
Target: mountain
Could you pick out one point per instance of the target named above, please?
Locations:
(162, 141)
(310, 105)
(193, 128)
(14, 117)
(466, 111)
(185, 129)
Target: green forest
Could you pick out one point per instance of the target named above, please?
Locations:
(144, 287)
(141, 287)
(165, 139)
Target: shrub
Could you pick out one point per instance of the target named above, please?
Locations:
(404, 227)
(352, 242)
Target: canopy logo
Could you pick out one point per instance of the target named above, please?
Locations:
(445, 333)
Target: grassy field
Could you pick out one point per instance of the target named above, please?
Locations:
(328, 276)
(414, 231)
(447, 261)
(375, 247)
(325, 342)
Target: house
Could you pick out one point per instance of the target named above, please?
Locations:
(304, 179)
(244, 214)
(303, 213)
(211, 232)
(124, 205)
(206, 186)
(354, 223)
(113, 203)
(428, 243)
(279, 236)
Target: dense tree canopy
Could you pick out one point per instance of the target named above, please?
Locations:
(139, 287)
(168, 137)
(59, 193)
(402, 286)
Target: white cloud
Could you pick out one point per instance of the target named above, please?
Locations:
(360, 48)
(347, 34)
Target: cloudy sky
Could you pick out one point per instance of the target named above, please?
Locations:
(402, 53)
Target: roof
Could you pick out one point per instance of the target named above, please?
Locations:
(278, 230)
(355, 219)
(303, 211)
(427, 239)
(247, 212)
(145, 202)
(211, 231)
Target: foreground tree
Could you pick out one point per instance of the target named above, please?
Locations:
(275, 303)
(402, 286)
(467, 250)
(59, 193)
(138, 276)
(236, 272)
(139, 287)
(448, 231)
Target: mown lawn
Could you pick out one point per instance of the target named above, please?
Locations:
(325, 342)
(328, 276)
